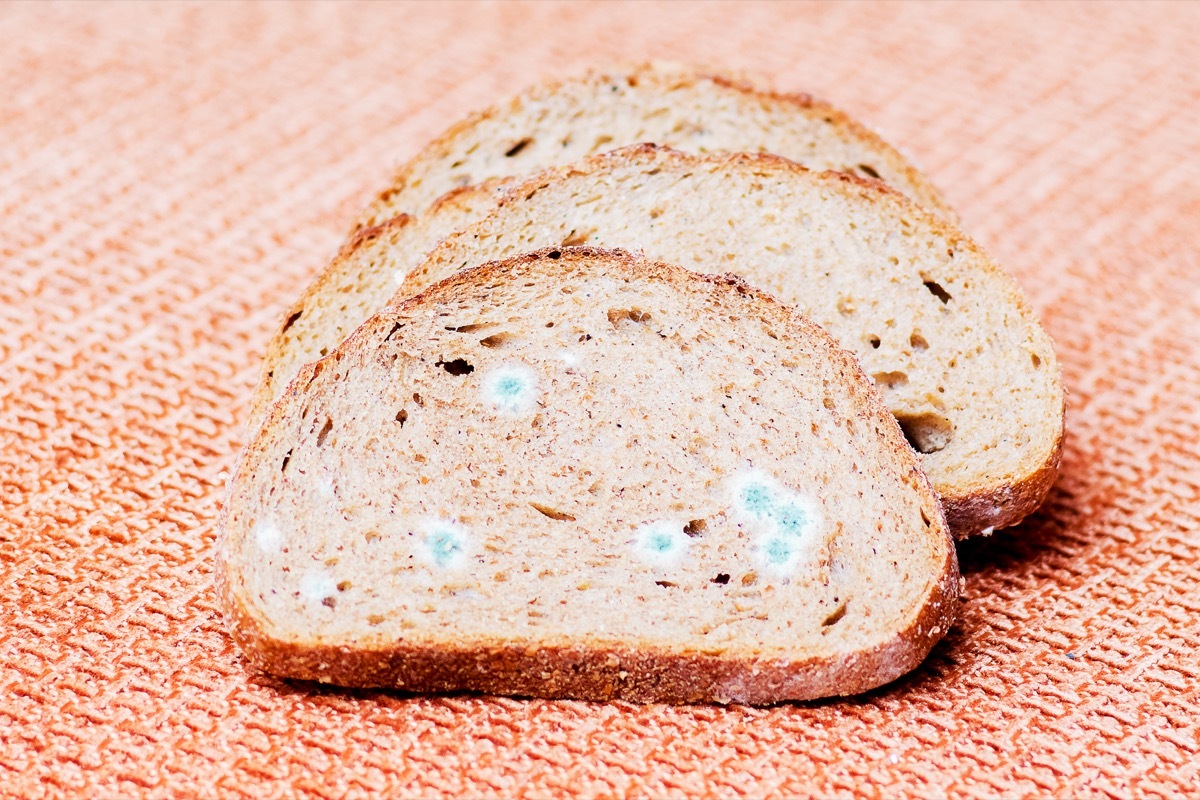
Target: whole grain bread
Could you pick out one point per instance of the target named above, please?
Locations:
(581, 474)
(945, 334)
(683, 107)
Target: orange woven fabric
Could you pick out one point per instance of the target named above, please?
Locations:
(174, 174)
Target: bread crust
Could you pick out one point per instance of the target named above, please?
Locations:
(602, 670)
(666, 76)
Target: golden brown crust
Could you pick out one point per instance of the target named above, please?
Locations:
(674, 76)
(604, 670)
(982, 512)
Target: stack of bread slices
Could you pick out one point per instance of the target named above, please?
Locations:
(646, 385)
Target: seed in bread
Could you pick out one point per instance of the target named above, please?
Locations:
(581, 474)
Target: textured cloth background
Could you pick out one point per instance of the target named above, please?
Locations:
(172, 175)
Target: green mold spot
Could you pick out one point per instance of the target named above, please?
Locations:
(757, 499)
(778, 551)
(509, 387)
(444, 545)
(660, 542)
(791, 518)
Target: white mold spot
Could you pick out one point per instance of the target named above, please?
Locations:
(569, 358)
(268, 537)
(661, 543)
(511, 388)
(325, 486)
(787, 522)
(316, 586)
(444, 544)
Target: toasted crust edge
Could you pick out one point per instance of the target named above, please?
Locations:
(583, 671)
(446, 143)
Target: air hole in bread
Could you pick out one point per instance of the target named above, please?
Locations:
(722, 578)
(618, 316)
(874, 341)
(845, 306)
(836, 616)
(402, 417)
(1037, 360)
(918, 342)
(655, 213)
(324, 434)
(554, 255)
(925, 518)
(518, 147)
(928, 432)
(393, 331)
(417, 399)
(329, 602)
(497, 340)
(553, 513)
(750, 578)
(869, 170)
(286, 458)
(290, 321)
(601, 140)
(890, 380)
(936, 290)
(344, 586)
(695, 527)
(457, 366)
(666, 584)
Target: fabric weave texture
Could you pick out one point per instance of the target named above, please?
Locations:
(174, 174)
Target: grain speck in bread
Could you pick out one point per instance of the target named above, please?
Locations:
(581, 474)
(668, 104)
(944, 332)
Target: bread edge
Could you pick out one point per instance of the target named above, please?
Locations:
(446, 142)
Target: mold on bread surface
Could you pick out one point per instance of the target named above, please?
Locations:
(943, 332)
(581, 474)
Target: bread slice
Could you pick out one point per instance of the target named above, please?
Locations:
(946, 335)
(686, 108)
(580, 474)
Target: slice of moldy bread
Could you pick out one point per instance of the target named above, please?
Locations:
(581, 474)
(683, 107)
(944, 333)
